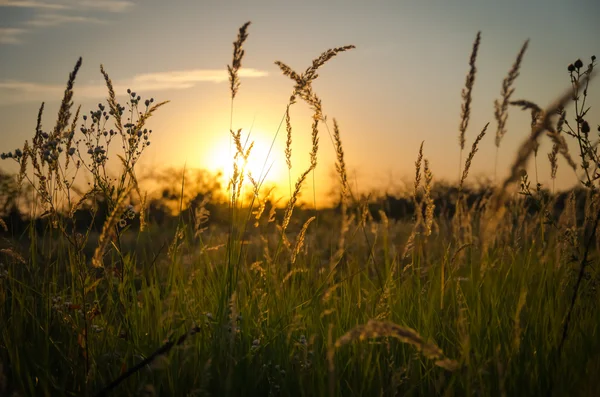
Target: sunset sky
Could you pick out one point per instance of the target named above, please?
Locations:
(400, 86)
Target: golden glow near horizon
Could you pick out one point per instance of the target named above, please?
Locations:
(265, 163)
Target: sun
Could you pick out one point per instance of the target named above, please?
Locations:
(266, 163)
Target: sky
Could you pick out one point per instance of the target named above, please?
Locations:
(400, 86)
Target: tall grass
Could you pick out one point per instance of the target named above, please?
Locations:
(497, 296)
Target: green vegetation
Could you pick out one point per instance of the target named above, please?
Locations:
(494, 293)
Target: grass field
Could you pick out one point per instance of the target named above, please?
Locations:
(496, 296)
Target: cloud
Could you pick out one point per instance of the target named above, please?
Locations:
(106, 5)
(32, 4)
(189, 77)
(98, 5)
(47, 20)
(11, 35)
(13, 92)
(46, 14)
(28, 88)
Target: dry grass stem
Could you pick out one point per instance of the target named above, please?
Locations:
(378, 329)
(340, 165)
(292, 203)
(64, 113)
(288, 142)
(562, 148)
(303, 86)
(553, 158)
(146, 115)
(114, 106)
(410, 244)
(428, 199)
(23, 163)
(238, 54)
(471, 155)
(554, 133)
(69, 136)
(315, 143)
(467, 93)
(501, 105)
(142, 197)
(13, 254)
(292, 273)
(418, 172)
(300, 239)
(109, 229)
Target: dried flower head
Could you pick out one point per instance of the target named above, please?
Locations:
(501, 105)
(238, 54)
(467, 92)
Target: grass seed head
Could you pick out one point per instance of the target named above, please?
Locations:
(501, 105)
(471, 155)
(467, 93)
(238, 55)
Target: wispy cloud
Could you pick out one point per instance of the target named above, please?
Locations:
(33, 4)
(189, 77)
(12, 92)
(106, 5)
(11, 35)
(21, 87)
(99, 5)
(47, 20)
(59, 12)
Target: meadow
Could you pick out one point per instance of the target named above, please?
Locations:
(488, 294)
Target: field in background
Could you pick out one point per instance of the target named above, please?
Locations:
(449, 290)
